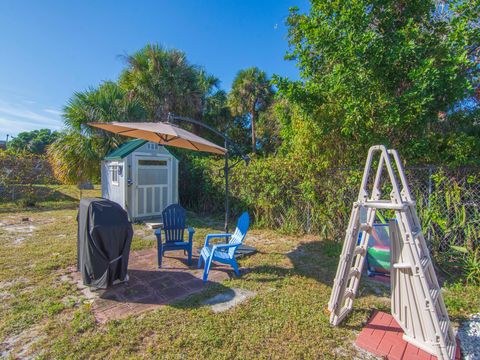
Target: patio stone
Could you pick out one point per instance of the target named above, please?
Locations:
(182, 277)
(149, 287)
(159, 284)
(192, 285)
(174, 292)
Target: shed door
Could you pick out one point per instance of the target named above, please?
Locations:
(153, 185)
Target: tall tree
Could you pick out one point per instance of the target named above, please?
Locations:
(75, 155)
(164, 81)
(251, 93)
(108, 102)
(380, 71)
(34, 142)
(155, 82)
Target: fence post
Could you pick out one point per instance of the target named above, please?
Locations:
(309, 228)
(430, 189)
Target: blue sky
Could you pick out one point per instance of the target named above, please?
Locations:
(49, 49)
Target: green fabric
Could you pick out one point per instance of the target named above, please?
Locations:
(125, 149)
(378, 259)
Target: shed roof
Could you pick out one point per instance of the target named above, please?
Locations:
(125, 149)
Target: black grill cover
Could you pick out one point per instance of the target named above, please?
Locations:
(104, 238)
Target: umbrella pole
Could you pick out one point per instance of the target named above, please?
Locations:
(226, 189)
(227, 142)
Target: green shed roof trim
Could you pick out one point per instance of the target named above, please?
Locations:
(125, 149)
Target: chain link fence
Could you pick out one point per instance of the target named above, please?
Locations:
(448, 204)
(24, 177)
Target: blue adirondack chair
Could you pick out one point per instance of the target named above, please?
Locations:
(174, 229)
(225, 252)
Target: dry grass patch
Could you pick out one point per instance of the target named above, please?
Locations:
(291, 277)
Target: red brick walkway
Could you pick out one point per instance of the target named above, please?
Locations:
(383, 336)
(149, 287)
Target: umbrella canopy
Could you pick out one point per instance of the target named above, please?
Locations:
(161, 133)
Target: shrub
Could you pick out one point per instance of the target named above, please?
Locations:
(280, 196)
(19, 172)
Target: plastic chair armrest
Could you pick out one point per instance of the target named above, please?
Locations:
(191, 231)
(213, 236)
(224, 246)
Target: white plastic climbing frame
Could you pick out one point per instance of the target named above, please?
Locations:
(417, 302)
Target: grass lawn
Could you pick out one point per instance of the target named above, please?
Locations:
(44, 316)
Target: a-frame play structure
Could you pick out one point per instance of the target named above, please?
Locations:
(416, 303)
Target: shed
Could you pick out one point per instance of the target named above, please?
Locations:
(142, 177)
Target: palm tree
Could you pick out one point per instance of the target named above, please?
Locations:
(108, 102)
(75, 155)
(251, 93)
(164, 81)
(209, 90)
(155, 82)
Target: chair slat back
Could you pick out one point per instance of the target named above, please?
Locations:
(174, 222)
(240, 232)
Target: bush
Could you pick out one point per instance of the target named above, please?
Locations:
(27, 201)
(280, 196)
(276, 193)
(19, 172)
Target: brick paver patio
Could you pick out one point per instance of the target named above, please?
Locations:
(382, 336)
(149, 287)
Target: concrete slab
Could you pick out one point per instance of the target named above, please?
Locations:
(229, 299)
(154, 223)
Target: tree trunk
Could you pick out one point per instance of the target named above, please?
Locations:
(254, 138)
(197, 129)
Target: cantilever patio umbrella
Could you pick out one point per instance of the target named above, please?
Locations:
(166, 133)
(162, 133)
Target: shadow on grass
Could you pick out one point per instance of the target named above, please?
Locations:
(38, 198)
(317, 260)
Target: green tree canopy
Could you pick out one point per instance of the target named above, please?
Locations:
(107, 102)
(155, 82)
(34, 141)
(164, 81)
(75, 155)
(380, 72)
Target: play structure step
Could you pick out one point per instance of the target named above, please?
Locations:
(424, 262)
(416, 233)
(365, 227)
(415, 282)
(349, 294)
(354, 272)
(359, 250)
(386, 204)
(434, 292)
(444, 324)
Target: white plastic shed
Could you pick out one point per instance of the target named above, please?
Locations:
(142, 177)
